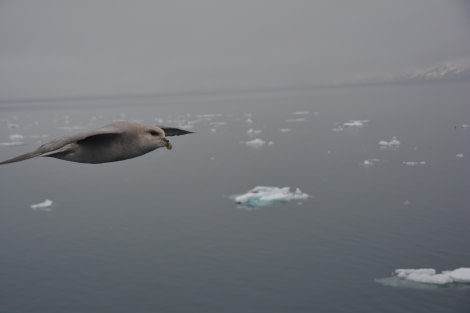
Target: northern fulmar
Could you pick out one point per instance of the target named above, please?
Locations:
(114, 142)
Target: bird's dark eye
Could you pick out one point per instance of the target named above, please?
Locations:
(154, 133)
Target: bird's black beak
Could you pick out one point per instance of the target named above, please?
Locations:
(168, 145)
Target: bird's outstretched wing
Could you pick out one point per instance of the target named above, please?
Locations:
(171, 131)
(64, 144)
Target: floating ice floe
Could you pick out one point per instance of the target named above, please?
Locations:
(284, 130)
(252, 132)
(426, 276)
(265, 195)
(255, 143)
(15, 140)
(355, 123)
(352, 124)
(411, 163)
(43, 206)
(459, 155)
(370, 162)
(430, 276)
(258, 143)
(299, 119)
(394, 143)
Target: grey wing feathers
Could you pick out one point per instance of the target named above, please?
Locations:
(22, 157)
(62, 145)
(171, 131)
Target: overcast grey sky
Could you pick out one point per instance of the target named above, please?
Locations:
(80, 48)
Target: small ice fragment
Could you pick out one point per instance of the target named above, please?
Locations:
(430, 276)
(463, 126)
(412, 163)
(424, 275)
(299, 119)
(16, 138)
(249, 121)
(43, 206)
(355, 123)
(459, 155)
(256, 143)
(284, 130)
(390, 144)
(270, 143)
(252, 132)
(406, 202)
(265, 195)
(301, 113)
(370, 162)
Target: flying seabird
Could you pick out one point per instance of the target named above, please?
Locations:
(114, 142)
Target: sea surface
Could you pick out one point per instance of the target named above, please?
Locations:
(161, 233)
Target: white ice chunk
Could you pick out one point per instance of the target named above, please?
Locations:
(256, 143)
(252, 132)
(412, 163)
(301, 112)
(284, 130)
(464, 126)
(265, 195)
(370, 162)
(430, 276)
(390, 144)
(299, 119)
(16, 138)
(43, 206)
(459, 155)
(460, 275)
(355, 123)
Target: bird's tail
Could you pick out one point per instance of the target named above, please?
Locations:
(22, 157)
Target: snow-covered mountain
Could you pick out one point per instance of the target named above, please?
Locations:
(446, 71)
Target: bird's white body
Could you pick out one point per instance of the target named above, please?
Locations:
(114, 142)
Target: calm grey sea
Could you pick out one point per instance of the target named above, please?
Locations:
(160, 233)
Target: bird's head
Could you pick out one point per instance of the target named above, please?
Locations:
(155, 138)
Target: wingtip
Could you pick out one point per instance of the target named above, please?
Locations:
(172, 131)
